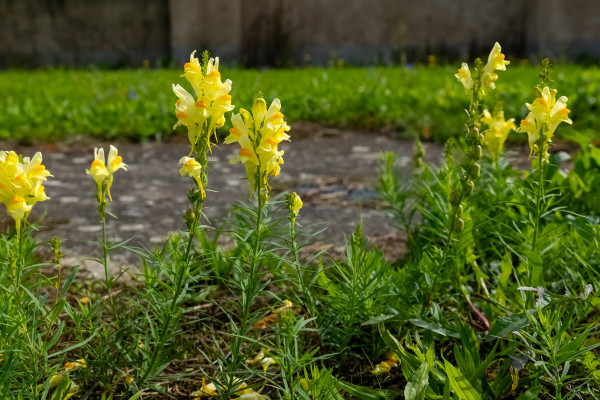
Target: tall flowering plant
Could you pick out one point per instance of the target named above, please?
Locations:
(202, 112)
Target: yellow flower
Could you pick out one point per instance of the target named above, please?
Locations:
(464, 76)
(206, 114)
(385, 366)
(259, 133)
(128, 380)
(546, 113)
(75, 365)
(495, 62)
(497, 133)
(101, 173)
(206, 391)
(263, 358)
(21, 184)
(192, 168)
(73, 390)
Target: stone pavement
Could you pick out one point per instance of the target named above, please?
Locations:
(334, 172)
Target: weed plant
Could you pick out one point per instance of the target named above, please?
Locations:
(496, 297)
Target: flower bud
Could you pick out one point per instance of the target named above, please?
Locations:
(468, 188)
(189, 219)
(455, 197)
(459, 211)
(475, 171)
(475, 153)
(459, 225)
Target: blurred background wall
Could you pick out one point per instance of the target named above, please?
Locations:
(116, 33)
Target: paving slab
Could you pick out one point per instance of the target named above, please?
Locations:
(334, 171)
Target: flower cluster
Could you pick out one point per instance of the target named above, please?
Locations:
(206, 112)
(21, 184)
(496, 61)
(498, 131)
(545, 114)
(259, 133)
(102, 172)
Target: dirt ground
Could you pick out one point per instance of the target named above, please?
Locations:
(334, 171)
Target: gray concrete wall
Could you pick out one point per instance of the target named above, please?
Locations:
(283, 32)
(111, 32)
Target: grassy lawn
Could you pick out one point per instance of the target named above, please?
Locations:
(138, 104)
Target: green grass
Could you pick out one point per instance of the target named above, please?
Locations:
(138, 104)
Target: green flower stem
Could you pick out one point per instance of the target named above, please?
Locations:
(473, 131)
(201, 147)
(310, 302)
(181, 272)
(539, 195)
(108, 282)
(249, 284)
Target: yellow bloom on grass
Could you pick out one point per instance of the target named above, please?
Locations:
(206, 112)
(259, 133)
(498, 131)
(21, 184)
(545, 114)
(102, 172)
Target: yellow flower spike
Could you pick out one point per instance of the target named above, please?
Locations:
(259, 133)
(204, 113)
(497, 133)
(464, 76)
(21, 184)
(545, 111)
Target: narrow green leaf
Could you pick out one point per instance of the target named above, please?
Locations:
(506, 325)
(415, 388)
(459, 384)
